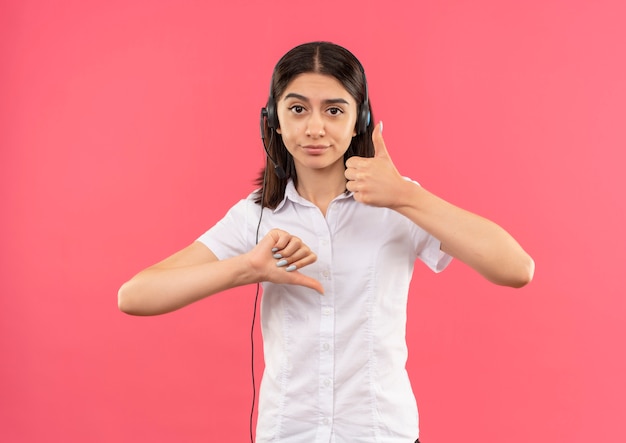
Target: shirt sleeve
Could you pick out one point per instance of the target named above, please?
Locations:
(234, 234)
(429, 251)
(428, 247)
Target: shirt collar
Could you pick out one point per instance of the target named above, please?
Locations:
(292, 195)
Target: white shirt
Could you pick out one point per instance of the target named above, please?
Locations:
(335, 363)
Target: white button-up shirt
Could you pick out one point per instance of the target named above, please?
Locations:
(335, 363)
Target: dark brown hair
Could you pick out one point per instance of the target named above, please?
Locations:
(322, 58)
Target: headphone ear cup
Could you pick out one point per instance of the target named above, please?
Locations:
(364, 118)
(272, 118)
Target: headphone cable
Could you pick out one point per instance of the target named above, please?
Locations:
(256, 300)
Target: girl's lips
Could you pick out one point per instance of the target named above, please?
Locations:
(315, 149)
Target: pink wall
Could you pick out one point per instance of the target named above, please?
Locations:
(127, 128)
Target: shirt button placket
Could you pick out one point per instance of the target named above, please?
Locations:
(327, 331)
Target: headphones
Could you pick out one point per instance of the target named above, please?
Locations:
(269, 114)
(363, 120)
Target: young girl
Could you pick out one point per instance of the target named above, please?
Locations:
(332, 234)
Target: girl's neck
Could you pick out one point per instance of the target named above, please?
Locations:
(321, 187)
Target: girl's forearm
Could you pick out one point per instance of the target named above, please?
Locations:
(476, 241)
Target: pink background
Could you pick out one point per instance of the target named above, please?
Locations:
(127, 128)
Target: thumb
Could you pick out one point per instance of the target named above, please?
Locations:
(309, 282)
(380, 150)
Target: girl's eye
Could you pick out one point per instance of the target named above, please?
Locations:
(335, 111)
(297, 109)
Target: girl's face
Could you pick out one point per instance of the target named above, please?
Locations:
(317, 118)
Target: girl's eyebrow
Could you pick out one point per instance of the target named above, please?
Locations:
(330, 101)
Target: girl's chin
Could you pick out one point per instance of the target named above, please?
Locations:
(321, 166)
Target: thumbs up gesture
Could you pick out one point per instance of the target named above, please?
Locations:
(375, 181)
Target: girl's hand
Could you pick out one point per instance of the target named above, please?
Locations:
(375, 181)
(277, 258)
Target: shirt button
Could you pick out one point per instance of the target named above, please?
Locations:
(327, 311)
(325, 273)
(327, 382)
(325, 421)
(325, 346)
